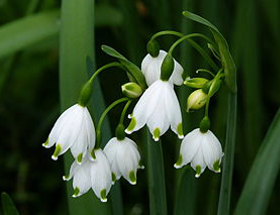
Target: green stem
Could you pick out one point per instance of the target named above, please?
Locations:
(124, 111)
(205, 70)
(99, 125)
(228, 163)
(109, 65)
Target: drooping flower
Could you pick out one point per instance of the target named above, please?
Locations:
(151, 68)
(74, 129)
(91, 174)
(201, 150)
(124, 159)
(159, 108)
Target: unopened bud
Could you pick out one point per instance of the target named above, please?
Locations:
(195, 82)
(196, 100)
(204, 124)
(131, 90)
(167, 67)
(153, 48)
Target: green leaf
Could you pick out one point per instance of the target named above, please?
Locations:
(76, 64)
(228, 159)
(226, 59)
(27, 31)
(259, 184)
(9, 207)
(131, 67)
(156, 178)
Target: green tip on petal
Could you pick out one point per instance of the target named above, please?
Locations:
(132, 177)
(103, 195)
(79, 158)
(114, 177)
(76, 192)
(216, 166)
(156, 134)
(131, 125)
(66, 177)
(92, 154)
(140, 165)
(178, 164)
(198, 171)
(180, 130)
(56, 152)
(46, 143)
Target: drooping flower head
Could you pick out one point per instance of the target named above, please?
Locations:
(201, 150)
(92, 174)
(151, 68)
(74, 129)
(124, 158)
(159, 108)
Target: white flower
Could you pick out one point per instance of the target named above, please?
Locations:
(151, 68)
(201, 150)
(124, 158)
(92, 174)
(159, 108)
(74, 129)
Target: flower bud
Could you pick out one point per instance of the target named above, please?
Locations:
(85, 94)
(196, 100)
(214, 86)
(167, 67)
(195, 82)
(131, 90)
(153, 48)
(204, 125)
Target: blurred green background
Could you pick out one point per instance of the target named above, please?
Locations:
(29, 92)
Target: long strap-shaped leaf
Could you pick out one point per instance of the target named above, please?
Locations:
(258, 187)
(27, 31)
(9, 207)
(156, 178)
(76, 62)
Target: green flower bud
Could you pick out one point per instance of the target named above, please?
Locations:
(85, 94)
(120, 134)
(214, 86)
(195, 82)
(131, 90)
(196, 100)
(167, 67)
(153, 48)
(204, 124)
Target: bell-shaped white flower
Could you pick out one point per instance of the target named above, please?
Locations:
(151, 68)
(201, 150)
(92, 174)
(159, 108)
(74, 129)
(124, 159)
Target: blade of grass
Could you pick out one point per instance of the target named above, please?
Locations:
(24, 32)
(156, 177)
(9, 207)
(76, 62)
(228, 160)
(259, 185)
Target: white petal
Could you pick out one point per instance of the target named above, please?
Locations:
(145, 107)
(212, 150)
(176, 77)
(189, 147)
(82, 179)
(198, 162)
(73, 169)
(173, 110)
(101, 177)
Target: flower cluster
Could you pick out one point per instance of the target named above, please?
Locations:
(158, 107)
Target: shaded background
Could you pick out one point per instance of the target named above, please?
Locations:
(29, 94)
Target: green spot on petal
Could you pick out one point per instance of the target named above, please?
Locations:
(140, 164)
(80, 157)
(132, 177)
(198, 171)
(114, 177)
(216, 166)
(76, 192)
(132, 124)
(156, 134)
(180, 161)
(103, 195)
(46, 143)
(56, 151)
(93, 154)
(180, 129)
